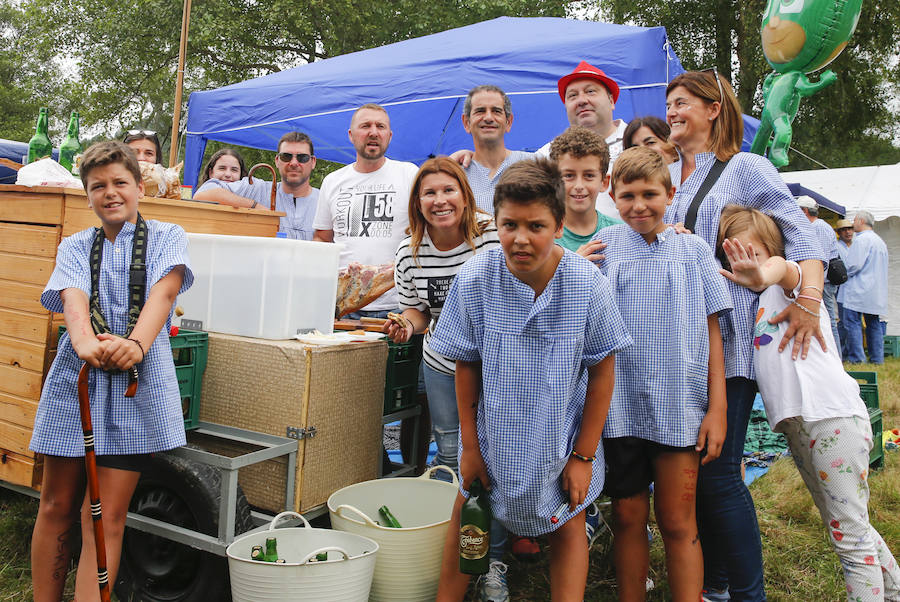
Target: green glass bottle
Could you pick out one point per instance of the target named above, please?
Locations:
(70, 146)
(256, 553)
(389, 519)
(40, 146)
(271, 554)
(475, 531)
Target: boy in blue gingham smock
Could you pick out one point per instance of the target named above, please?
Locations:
(665, 291)
(534, 355)
(150, 421)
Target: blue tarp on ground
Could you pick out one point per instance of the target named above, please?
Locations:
(423, 83)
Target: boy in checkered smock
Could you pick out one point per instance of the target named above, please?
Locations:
(669, 402)
(125, 429)
(533, 329)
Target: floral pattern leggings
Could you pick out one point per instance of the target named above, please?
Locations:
(832, 456)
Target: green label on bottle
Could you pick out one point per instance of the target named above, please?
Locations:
(473, 542)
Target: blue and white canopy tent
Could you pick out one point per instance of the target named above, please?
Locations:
(423, 82)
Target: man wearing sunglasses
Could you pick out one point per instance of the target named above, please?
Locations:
(295, 196)
(364, 205)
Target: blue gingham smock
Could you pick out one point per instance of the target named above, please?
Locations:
(150, 421)
(752, 181)
(535, 354)
(665, 291)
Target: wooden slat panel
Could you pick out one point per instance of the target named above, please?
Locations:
(16, 352)
(24, 325)
(16, 438)
(193, 216)
(29, 240)
(17, 410)
(21, 382)
(20, 471)
(22, 296)
(26, 268)
(20, 204)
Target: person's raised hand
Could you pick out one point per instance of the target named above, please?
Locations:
(592, 251)
(463, 157)
(745, 268)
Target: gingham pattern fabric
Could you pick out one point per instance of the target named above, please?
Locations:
(152, 420)
(665, 291)
(423, 282)
(535, 354)
(827, 238)
(483, 184)
(752, 181)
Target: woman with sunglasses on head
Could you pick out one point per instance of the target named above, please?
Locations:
(295, 196)
(226, 165)
(652, 132)
(707, 128)
(145, 144)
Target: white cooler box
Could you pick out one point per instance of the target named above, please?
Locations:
(270, 288)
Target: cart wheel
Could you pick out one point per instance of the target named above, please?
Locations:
(155, 569)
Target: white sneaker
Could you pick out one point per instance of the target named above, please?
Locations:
(493, 583)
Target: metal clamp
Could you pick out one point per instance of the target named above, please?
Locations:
(300, 433)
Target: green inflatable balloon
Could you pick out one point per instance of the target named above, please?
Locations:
(798, 37)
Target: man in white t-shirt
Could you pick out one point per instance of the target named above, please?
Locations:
(590, 97)
(365, 205)
(295, 196)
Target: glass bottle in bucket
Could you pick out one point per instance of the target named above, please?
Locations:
(475, 531)
(71, 147)
(388, 517)
(40, 146)
(271, 554)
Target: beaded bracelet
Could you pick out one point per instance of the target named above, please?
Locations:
(808, 298)
(812, 313)
(141, 347)
(583, 458)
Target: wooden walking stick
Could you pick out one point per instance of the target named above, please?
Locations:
(90, 465)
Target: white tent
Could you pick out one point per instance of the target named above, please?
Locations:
(877, 190)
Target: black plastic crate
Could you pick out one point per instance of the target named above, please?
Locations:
(402, 375)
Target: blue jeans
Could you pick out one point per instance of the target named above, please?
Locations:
(842, 329)
(441, 389)
(829, 301)
(375, 313)
(874, 337)
(726, 517)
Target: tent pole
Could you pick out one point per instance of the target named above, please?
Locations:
(182, 50)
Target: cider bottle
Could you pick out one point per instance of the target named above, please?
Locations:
(388, 517)
(475, 531)
(70, 146)
(40, 146)
(271, 554)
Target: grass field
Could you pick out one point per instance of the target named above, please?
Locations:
(799, 561)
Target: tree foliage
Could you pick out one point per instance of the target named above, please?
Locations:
(852, 122)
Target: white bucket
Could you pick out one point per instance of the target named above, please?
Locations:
(346, 575)
(408, 566)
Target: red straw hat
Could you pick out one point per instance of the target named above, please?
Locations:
(585, 70)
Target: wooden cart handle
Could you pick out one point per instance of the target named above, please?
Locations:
(274, 181)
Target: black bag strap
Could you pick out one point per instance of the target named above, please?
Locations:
(690, 220)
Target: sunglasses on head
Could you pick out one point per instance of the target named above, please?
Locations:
(140, 133)
(715, 74)
(301, 157)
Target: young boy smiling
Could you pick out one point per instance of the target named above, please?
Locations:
(669, 402)
(533, 329)
(583, 160)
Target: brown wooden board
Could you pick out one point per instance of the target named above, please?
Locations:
(21, 382)
(24, 205)
(23, 239)
(22, 296)
(17, 410)
(26, 268)
(25, 354)
(19, 470)
(15, 438)
(24, 325)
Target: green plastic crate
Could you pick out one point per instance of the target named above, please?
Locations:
(190, 349)
(891, 345)
(876, 456)
(401, 380)
(868, 387)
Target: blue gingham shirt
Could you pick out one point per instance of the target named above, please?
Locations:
(483, 184)
(534, 357)
(866, 289)
(150, 421)
(827, 238)
(299, 210)
(752, 181)
(665, 291)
